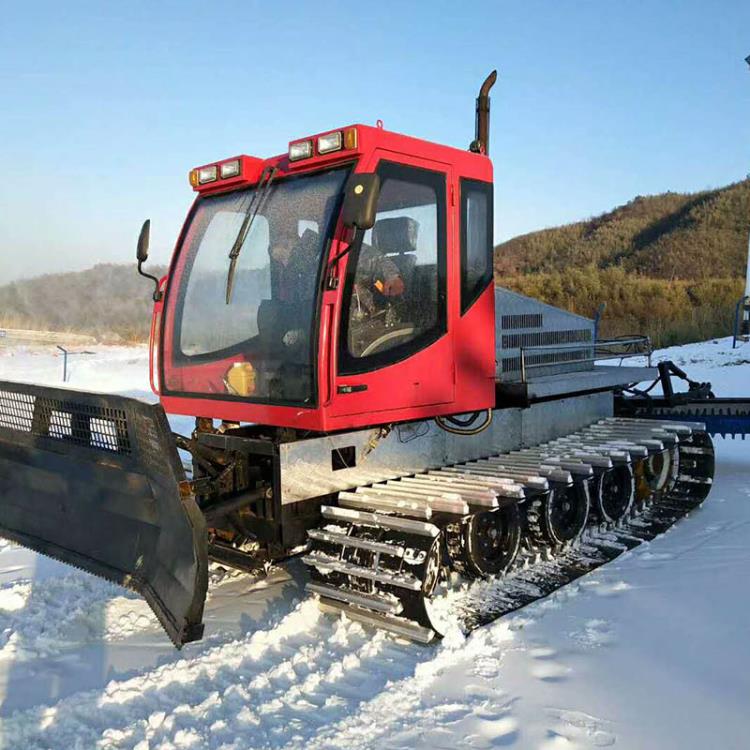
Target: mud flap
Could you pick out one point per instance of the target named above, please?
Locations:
(96, 482)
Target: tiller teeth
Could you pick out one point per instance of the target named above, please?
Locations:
(96, 482)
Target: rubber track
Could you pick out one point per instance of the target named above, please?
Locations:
(536, 580)
(540, 571)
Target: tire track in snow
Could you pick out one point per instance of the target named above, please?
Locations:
(281, 685)
(416, 712)
(42, 618)
(58, 614)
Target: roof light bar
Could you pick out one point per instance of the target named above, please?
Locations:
(226, 174)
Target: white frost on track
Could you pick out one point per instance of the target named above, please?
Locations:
(648, 651)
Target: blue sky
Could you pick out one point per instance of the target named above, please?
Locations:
(104, 107)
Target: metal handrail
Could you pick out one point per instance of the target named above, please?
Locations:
(642, 341)
(591, 344)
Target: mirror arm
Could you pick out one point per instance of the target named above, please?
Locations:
(158, 294)
(344, 252)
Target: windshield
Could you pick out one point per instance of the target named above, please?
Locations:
(269, 322)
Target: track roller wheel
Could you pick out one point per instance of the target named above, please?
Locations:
(559, 516)
(613, 494)
(417, 605)
(491, 540)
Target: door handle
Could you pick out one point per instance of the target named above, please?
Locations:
(354, 388)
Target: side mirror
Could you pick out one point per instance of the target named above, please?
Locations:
(142, 256)
(361, 201)
(143, 242)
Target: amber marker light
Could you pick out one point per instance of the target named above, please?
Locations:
(350, 138)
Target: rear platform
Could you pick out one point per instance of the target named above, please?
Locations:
(598, 378)
(543, 353)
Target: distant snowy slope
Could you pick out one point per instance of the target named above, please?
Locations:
(109, 301)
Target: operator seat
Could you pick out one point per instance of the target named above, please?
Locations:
(397, 239)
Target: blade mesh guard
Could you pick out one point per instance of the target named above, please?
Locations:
(94, 481)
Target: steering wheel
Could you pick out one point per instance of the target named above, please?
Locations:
(387, 338)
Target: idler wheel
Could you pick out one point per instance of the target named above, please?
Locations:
(491, 541)
(660, 470)
(433, 568)
(656, 474)
(559, 516)
(614, 494)
(418, 605)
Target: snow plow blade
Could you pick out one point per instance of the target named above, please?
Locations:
(96, 482)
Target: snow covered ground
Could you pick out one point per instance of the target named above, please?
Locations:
(651, 651)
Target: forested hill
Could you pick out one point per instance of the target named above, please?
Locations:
(668, 265)
(667, 236)
(110, 301)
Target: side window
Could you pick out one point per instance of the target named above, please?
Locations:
(476, 240)
(394, 301)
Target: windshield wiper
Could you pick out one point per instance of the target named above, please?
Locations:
(261, 193)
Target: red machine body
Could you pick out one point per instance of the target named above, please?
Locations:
(451, 372)
(348, 284)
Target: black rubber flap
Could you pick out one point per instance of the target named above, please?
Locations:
(94, 481)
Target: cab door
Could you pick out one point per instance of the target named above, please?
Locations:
(395, 351)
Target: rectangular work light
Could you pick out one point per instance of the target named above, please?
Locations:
(229, 169)
(300, 150)
(207, 174)
(330, 142)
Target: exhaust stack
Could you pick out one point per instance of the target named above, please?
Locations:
(481, 142)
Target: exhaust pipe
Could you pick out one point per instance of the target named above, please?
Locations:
(481, 142)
